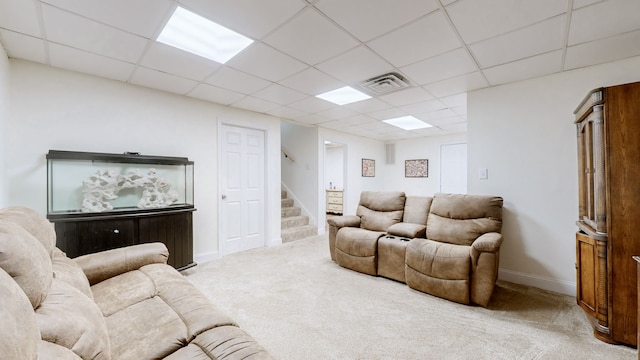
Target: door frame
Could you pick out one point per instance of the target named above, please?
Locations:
(322, 206)
(219, 148)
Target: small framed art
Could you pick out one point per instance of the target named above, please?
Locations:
(416, 168)
(368, 167)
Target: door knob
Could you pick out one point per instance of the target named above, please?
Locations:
(224, 196)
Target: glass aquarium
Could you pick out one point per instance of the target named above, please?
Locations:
(83, 182)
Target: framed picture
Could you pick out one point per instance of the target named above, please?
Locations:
(368, 168)
(416, 168)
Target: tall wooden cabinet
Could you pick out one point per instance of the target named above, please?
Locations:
(608, 134)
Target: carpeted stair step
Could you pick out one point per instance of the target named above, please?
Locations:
(286, 203)
(294, 221)
(290, 211)
(299, 232)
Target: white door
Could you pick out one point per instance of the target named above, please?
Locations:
(242, 191)
(453, 168)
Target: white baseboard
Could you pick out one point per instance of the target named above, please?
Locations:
(275, 242)
(205, 257)
(321, 230)
(541, 282)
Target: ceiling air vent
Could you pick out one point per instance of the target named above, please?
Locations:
(385, 84)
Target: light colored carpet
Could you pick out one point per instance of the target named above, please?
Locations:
(300, 305)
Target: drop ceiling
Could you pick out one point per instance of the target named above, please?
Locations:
(443, 48)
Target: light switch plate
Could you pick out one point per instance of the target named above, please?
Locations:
(483, 174)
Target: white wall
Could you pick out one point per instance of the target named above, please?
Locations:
(424, 148)
(63, 110)
(4, 114)
(523, 133)
(300, 177)
(334, 167)
(355, 150)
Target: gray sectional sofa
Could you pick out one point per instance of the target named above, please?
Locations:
(447, 245)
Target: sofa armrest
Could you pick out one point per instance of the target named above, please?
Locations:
(107, 264)
(489, 242)
(344, 221)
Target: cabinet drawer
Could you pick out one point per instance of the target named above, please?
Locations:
(334, 194)
(334, 200)
(334, 208)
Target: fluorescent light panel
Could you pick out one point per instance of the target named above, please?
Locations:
(344, 95)
(407, 123)
(195, 34)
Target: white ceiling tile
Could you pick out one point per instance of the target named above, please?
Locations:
(255, 104)
(601, 51)
(455, 100)
(368, 106)
(540, 65)
(247, 17)
(375, 124)
(336, 113)
(234, 80)
(215, 94)
(356, 65)
(312, 104)
(603, 20)
(459, 84)
(536, 39)
(334, 124)
(311, 37)
(408, 96)
(286, 112)
(23, 46)
(430, 36)
(438, 117)
(423, 107)
(309, 119)
(84, 62)
(20, 16)
(481, 19)
(162, 81)
(388, 114)
(366, 19)
(454, 127)
(312, 81)
(279, 94)
(447, 2)
(265, 62)
(75, 31)
(582, 3)
(141, 17)
(175, 61)
(451, 64)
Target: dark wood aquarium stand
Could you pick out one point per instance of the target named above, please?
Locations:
(80, 234)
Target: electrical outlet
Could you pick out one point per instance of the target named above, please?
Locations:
(483, 174)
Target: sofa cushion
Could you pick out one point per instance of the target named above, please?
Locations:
(380, 209)
(19, 334)
(26, 261)
(439, 269)
(416, 209)
(460, 219)
(67, 270)
(222, 343)
(35, 224)
(67, 317)
(407, 230)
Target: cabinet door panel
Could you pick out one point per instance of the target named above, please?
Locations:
(586, 274)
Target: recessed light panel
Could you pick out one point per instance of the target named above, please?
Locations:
(407, 123)
(344, 95)
(193, 33)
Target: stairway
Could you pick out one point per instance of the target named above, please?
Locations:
(293, 225)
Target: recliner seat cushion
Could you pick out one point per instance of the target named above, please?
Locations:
(356, 249)
(439, 269)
